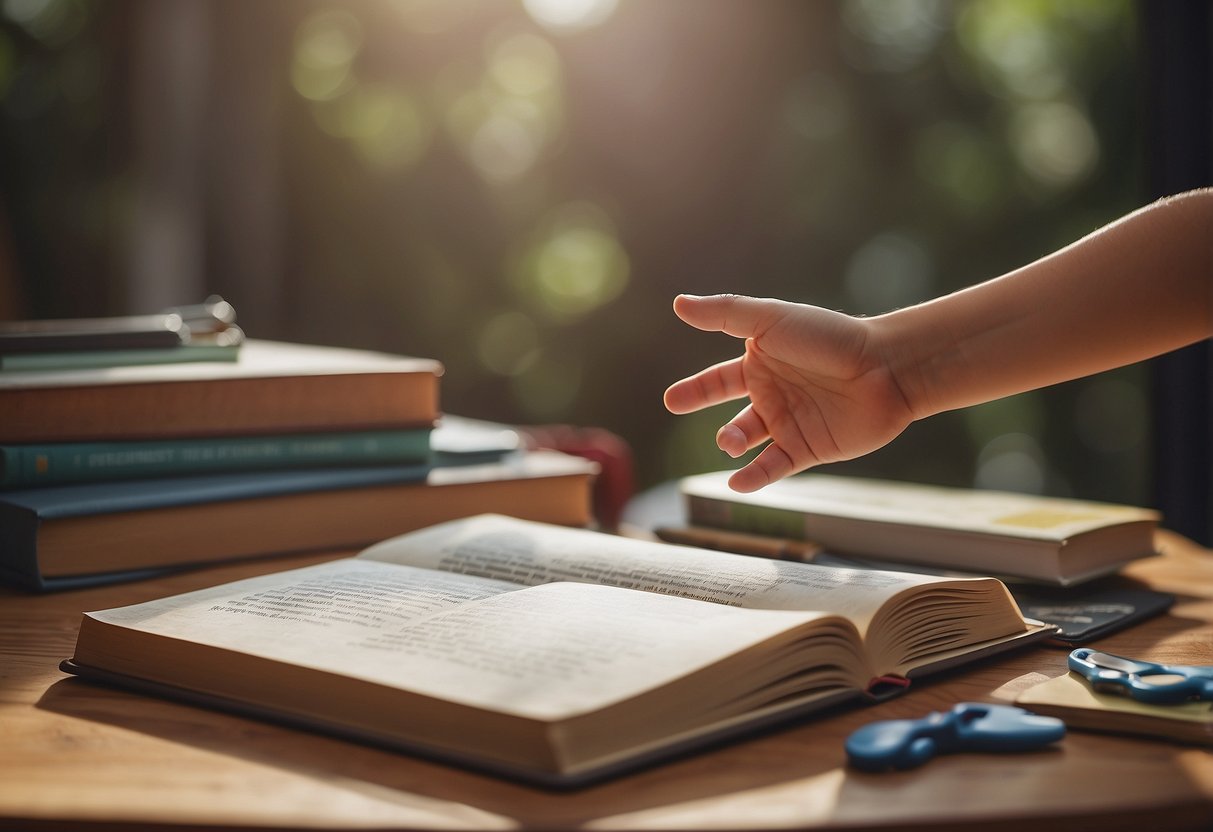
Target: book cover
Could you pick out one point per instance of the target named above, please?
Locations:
(271, 388)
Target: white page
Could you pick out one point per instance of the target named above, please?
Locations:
(284, 610)
(544, 652)
(527, 553)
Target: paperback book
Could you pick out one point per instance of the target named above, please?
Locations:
(1046, 539)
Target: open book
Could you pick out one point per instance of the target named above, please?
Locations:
(549, 654)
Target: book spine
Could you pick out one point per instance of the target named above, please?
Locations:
(742, 517)
(19, 548)
(23, 466)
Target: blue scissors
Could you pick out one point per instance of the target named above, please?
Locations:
(969, 726)
(1157, 684)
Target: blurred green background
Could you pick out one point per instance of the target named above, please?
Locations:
(520, 188)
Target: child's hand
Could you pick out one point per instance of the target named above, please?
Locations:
(820, 385)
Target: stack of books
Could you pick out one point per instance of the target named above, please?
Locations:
(124, 469)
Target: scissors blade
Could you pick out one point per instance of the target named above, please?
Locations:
(1110, 662)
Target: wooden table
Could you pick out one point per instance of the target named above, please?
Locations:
(76, 756)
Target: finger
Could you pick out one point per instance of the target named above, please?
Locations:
(721, 382)
(737, 315)
(770, 465)
(744, 431)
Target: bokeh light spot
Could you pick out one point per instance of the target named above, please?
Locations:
(549, 388)
(1011, 462)
(890, 271)
(53, 22)
(898, 35)
(524, 65)
(1014, 47)
(817, 107)
(386, 125)
(508, 343)
(1024, 413)
(961, 162)
(326, 44)
(569, 15)
(1111, 415)
(502, 148)
(576, 265)
(506, 122)
(1054, 143)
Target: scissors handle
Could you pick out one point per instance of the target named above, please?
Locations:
(1158, 684)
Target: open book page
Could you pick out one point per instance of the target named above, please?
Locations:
(503, 548)
(545, 652)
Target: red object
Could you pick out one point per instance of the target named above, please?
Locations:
(615, 483)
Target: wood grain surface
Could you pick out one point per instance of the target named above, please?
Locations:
(78, 756)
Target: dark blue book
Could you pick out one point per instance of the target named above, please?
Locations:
(82, 535)
(64, 536)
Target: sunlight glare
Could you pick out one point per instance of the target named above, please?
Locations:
(570, 15)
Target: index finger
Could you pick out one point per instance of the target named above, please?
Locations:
(737, 315)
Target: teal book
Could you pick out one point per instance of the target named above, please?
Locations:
(25, 466)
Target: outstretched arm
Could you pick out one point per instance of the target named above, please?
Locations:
(1137, 288)
(824, 386)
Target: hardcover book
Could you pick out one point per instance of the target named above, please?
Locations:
(558, 656)
(65, 536)
(1047, 539)
(59, 463)
(271, 388)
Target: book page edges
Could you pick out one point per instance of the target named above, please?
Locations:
(258, 359)
(574, 776)
(919, 506)
(572, 772)
(1036, 631)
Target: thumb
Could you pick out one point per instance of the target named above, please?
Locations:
(737, 315)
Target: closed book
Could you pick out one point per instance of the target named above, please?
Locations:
(1046, 539)
(1071, 699)
(271, 388)
(552, 655)
(76, 462)
(25, 362)
(55, 538)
